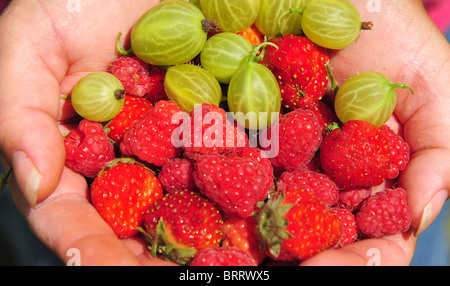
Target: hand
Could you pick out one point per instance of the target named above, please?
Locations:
(48, 47)
(406, 46)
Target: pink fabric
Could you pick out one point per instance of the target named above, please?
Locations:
(439, 11)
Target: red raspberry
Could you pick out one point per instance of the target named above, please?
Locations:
(233, 183)
(133, 74)
(348, 226)
(150, 138)
(255, 153)
(211, 133)
(300, 135)
(222, 257)
(318, 184)
(157, 92)
(176, 175)
(88, 148)
(385, 213)
(352, 199)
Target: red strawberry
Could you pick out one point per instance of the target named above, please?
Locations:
(233, 183)
(122, 193)
(133, 109)
(300, 67)
(385, 213)
(362, 155)
(241, 233)
(182, 223)
(88, 149)
(299, 137)
(296, 225)
(222, 257)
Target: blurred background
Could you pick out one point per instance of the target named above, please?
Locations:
(19, 246)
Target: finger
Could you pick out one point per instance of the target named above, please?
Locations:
(68, 224)
(386, 251)
(427, 182)
(29, 105)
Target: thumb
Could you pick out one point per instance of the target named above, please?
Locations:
(29, 106)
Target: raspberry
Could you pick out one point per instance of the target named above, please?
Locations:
(385, 213)
(348, 226)
(88, 148)
(222, 257)
(318, 184)
(157, 92)
(255, 153)
(352, 199)
(211, 133)
(133, 74)
(300, 135)
(176, 175)
(150, 138)
(233, 183)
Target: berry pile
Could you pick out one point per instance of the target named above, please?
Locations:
(219, 146)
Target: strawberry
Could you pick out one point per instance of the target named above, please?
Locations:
(122, 193)
(181, 224)
(133, 109)
(362, 155)
(300, 68)
(296, 225)
(241, 233)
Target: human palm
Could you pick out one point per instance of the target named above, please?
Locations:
(66, 45)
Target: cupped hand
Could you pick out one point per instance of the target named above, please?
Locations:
(47, 46)
(407, 47)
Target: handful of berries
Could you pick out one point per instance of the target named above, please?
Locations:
(221, 142)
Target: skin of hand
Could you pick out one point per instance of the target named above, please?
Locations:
(51, 45)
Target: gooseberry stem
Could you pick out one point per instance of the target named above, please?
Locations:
(334, 84)
(253, 54)
(120, 50)
(290, 11)
(401, 85)
(210, 26)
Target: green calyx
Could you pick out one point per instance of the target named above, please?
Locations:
(160, 245)
(272, 224)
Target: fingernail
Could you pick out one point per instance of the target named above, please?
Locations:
(431, 210)
(27, 176)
